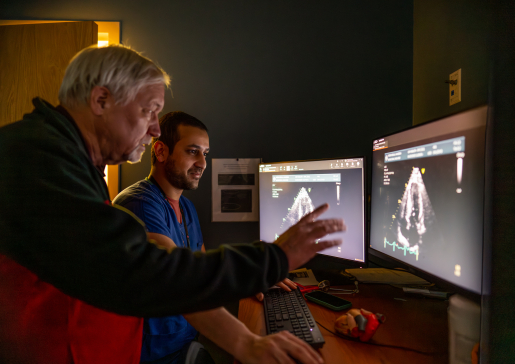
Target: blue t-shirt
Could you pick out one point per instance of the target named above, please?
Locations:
(163, 335)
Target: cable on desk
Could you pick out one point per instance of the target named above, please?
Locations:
(345, 291)
(375, 344)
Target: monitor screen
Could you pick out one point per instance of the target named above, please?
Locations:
(290, 190)
(427, 197)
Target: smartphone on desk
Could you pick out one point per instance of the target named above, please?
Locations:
(328, 300)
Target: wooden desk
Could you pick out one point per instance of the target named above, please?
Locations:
(417, 323)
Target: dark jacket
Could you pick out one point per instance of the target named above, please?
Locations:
(56, 221)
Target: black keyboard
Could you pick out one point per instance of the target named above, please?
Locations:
(288, 311)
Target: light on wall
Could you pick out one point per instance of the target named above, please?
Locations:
(103, 39)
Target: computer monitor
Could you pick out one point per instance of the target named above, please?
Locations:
(290, 190)
(427, 198)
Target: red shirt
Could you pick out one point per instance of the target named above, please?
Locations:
(176, 208)
(40, 324)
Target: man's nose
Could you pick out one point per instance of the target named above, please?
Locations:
(201, 161)
(154, 130)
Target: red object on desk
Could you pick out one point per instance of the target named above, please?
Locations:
(306, 289)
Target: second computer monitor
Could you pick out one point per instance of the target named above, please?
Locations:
(427, 198)
(290, 190)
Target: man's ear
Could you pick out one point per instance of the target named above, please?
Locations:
(160, 151)
(100, 96)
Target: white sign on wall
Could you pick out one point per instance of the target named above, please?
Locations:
(235, 189)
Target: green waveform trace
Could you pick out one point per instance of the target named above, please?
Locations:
(404, 248)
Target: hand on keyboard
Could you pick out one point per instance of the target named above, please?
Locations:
(299, 241)
(278, 348)
(285, 284)
(287, 311)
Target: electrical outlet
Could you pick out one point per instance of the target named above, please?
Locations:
(455, 90)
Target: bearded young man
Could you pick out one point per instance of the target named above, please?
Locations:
(178, 161)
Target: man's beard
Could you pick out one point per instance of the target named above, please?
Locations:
(135, 156)
(179, 180)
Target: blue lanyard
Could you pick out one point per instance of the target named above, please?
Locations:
(153, 181)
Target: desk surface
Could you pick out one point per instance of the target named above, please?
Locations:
(417, 323)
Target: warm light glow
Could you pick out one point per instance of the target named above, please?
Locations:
(108, 33)
(103, 39)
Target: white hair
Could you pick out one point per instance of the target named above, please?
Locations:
(122, 70)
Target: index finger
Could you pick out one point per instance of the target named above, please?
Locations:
(290, 283)
(312, 216)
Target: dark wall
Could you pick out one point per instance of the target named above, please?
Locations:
(498, 325)
(278, 80)
(449, 35)
(478, 37)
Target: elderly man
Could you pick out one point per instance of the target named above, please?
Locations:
(77, 273)
(178, 162)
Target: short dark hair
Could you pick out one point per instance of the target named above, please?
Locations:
(169, 123)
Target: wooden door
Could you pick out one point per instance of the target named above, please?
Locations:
(33, 58)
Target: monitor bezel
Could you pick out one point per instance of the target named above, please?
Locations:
(328, 258)
(438, 281)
